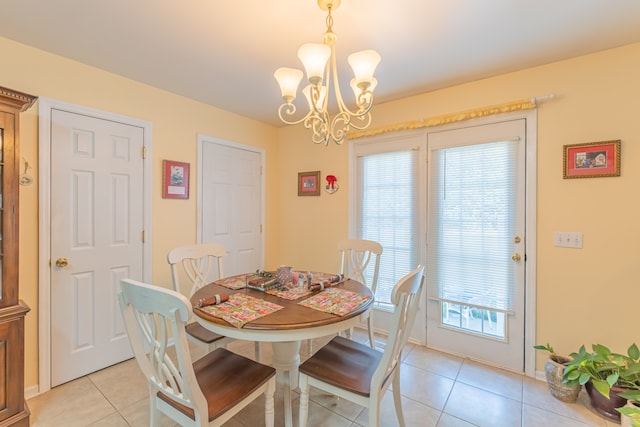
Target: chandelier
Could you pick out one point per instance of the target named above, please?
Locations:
(319, 61)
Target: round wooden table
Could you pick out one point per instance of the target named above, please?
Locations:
(285, 328)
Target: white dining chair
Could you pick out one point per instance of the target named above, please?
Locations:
(358, 373)
(202, 264)
(207, 392)
(356, 257)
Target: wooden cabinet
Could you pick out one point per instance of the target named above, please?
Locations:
(13, 409)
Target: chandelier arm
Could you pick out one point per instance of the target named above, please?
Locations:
(289, 110)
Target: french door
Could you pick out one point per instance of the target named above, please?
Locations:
(476, 242)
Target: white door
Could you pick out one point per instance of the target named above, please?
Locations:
(476, 241)
(96, 239)
(230, 191)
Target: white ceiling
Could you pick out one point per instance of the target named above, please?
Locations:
(224, 53)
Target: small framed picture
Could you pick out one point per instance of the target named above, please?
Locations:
(592, 160)
(175, 180)
(308, 183)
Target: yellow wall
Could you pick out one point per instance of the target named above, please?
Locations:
(176, 121)
(584, 296)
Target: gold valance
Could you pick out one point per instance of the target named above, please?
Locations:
(526, 104)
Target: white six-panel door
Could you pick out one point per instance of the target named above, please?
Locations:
(231, 206)
(97, 223)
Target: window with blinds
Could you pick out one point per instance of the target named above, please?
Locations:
(473, 189)
(387, 184)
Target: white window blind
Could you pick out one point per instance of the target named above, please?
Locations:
(470, 245)
(388, 194)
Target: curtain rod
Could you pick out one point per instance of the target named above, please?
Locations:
(526, 104)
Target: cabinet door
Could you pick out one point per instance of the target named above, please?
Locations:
(11, 356)
(8, 211)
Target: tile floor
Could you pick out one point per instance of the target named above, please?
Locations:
(438, 390)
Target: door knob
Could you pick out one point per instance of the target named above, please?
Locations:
(516, 257)
(62, 262)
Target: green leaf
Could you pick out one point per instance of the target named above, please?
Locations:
(584, 378)
(602, 387)
(634, 352)
(612, 379)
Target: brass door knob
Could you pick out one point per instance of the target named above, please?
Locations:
(62, 262)
(516, 257)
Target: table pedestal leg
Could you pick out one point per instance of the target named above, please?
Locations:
(286, 358)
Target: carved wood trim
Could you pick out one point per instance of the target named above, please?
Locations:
(17, 100)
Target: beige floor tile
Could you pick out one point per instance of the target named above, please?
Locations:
(483, 407)
(425, 387)
(536, 393)
(76, 403)
(122, 384)
(113, 420)
(497, 381)
(536, 417)
(447, 420)
(415, 413)
(434, 361)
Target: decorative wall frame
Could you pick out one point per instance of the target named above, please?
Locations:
(309, 183)
(175, 180)
(592, 160)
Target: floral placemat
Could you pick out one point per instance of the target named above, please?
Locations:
(335, 301)
(287, 294)
(233, 282)
(241, 309)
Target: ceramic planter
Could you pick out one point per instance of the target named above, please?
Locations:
(604, 406)
(553, 370)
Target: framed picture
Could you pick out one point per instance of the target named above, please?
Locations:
(175, 180)
(593, 159)
(309, 183)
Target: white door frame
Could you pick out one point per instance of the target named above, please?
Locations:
(44, 218)
(203, 139)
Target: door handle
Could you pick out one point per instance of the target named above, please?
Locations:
(62, 262)
(516, 257)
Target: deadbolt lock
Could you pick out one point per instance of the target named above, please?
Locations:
(62, 262)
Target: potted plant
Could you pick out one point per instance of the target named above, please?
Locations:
(605, 375)
(553, 371)
(630, 413)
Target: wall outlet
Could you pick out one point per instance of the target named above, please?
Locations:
(566, 239)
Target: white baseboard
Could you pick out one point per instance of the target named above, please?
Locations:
(32, 391)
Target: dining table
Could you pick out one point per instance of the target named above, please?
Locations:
(281, 317)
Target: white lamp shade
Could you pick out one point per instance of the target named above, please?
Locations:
(323, 93)
(364, 64)
(288, 79)
(314, 57)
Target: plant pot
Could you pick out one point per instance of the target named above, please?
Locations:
(604, 406)
(625, 420)
(553, 370)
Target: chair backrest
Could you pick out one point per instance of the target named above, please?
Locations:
(152, 316)
(406, 299)
(356, 256)
(197, 262)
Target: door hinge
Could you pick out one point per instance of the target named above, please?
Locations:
(260, 170)
(143, 237)
(144, 152)
(261, 228)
